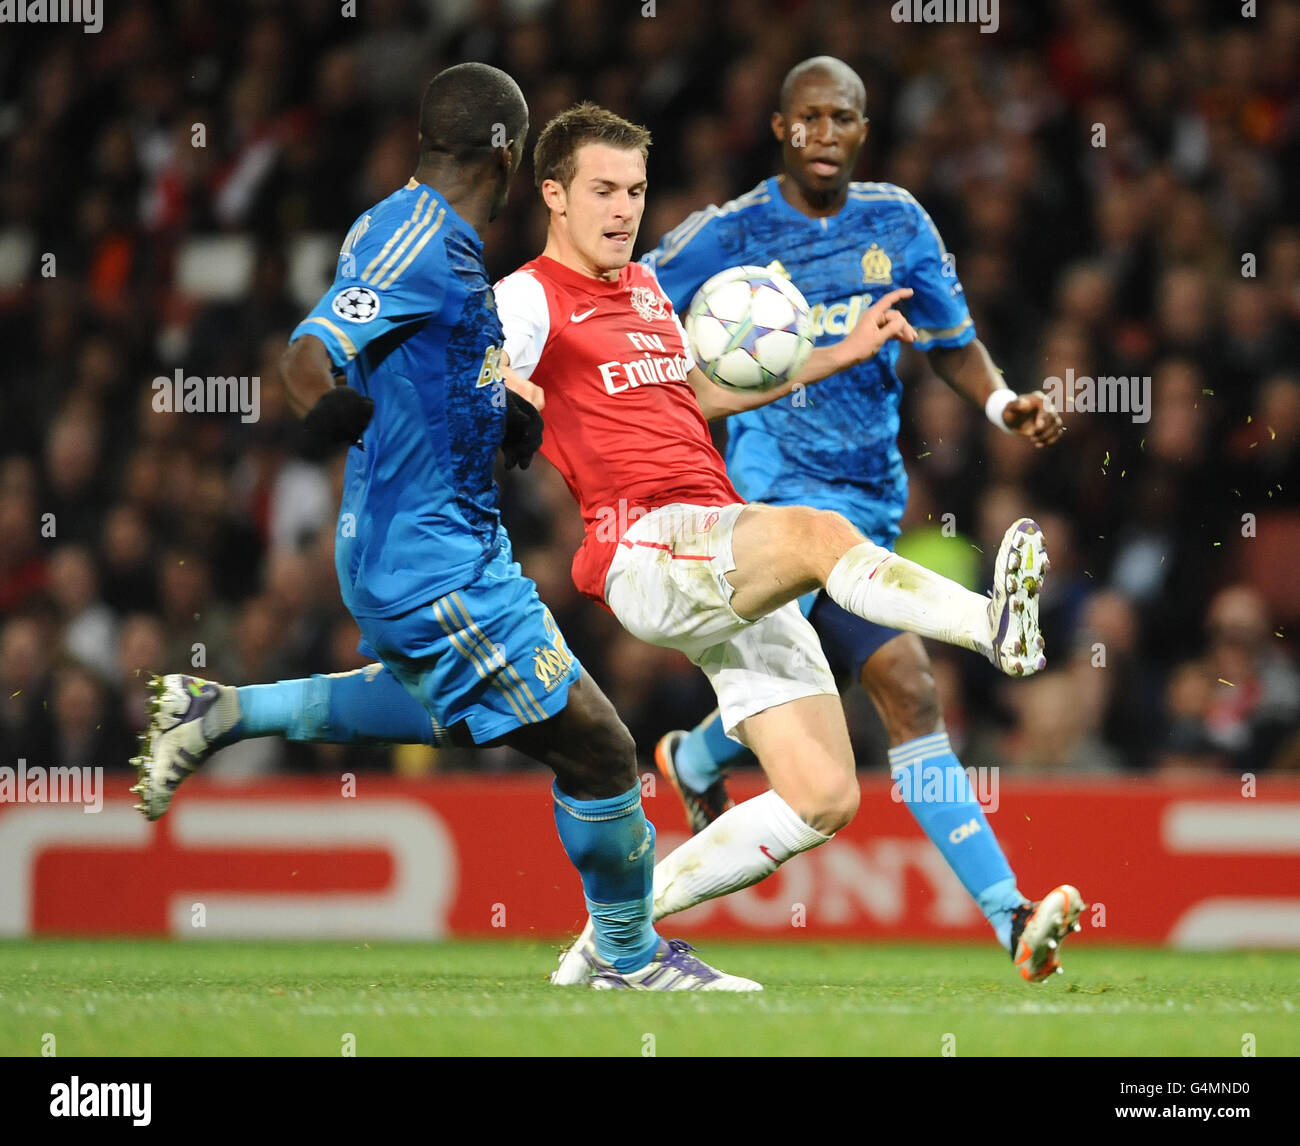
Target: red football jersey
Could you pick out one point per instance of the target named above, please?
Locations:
(622, 423)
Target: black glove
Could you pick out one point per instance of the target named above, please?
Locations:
(340, 415)
(523, 431)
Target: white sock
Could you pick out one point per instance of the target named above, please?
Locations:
(745, 844)
(880, 586)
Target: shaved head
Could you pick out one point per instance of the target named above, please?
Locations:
(473, 120)
(823, 67)
(471, 109)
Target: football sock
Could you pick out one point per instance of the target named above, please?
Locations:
(705, 752)
(997, 902)
(745, 844)
(932, 783)
(361, 707)
(611, 843)
(880, 586)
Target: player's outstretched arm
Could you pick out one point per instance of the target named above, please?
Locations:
(715, 402)
(878, 325)
(970, 371)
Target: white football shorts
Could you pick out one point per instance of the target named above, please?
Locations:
(667, 585)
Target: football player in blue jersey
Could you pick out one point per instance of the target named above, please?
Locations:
(425, 568)
(843, 244)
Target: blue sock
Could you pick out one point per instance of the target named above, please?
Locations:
(611, 843)
(930, 780)
(361, 707)
(705, 752)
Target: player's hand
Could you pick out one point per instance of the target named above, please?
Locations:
(530, 392)
(1034, 417)
(523, 434)
(878, 325)
(339, 416)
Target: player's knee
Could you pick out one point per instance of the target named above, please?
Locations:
(834, 815)
(826, 528)
(621, 753)
(832, 806)
(840, 807)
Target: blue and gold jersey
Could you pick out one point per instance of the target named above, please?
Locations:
(411, 321)
(835, 444)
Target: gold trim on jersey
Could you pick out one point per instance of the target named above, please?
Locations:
(388, 246)
(349, 347)
(406, 242)
(442, 214)
(689, 227)
(931, 335)
(896, 195)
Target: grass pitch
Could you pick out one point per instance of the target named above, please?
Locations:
(119, 998)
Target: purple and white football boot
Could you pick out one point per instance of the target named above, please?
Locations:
(673, 968)
(186, 715)
(1013, 612)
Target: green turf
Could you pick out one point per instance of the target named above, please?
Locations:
(167, 998)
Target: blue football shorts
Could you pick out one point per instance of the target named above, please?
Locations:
(489, 654)
(847, 640)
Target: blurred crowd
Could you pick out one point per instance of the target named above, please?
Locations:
(1119, 184)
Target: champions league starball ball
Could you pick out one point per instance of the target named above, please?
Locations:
(750, 328)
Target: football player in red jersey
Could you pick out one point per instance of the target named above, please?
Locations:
(670, 547)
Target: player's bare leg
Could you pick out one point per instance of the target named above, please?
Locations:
(900, 682)
(782, 552)
(586, 745)
(804, 748)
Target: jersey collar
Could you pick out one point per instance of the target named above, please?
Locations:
(414, 184)
(774, 193)
(578, 281)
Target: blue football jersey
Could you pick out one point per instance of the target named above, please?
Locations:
(835, 444)
(411, 322)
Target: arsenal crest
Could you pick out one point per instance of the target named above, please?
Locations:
(649, 304)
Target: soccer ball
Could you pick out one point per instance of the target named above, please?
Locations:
(750, 328)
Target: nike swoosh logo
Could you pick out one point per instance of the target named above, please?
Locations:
(576, 317)
(763, 848)
(645, 846)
